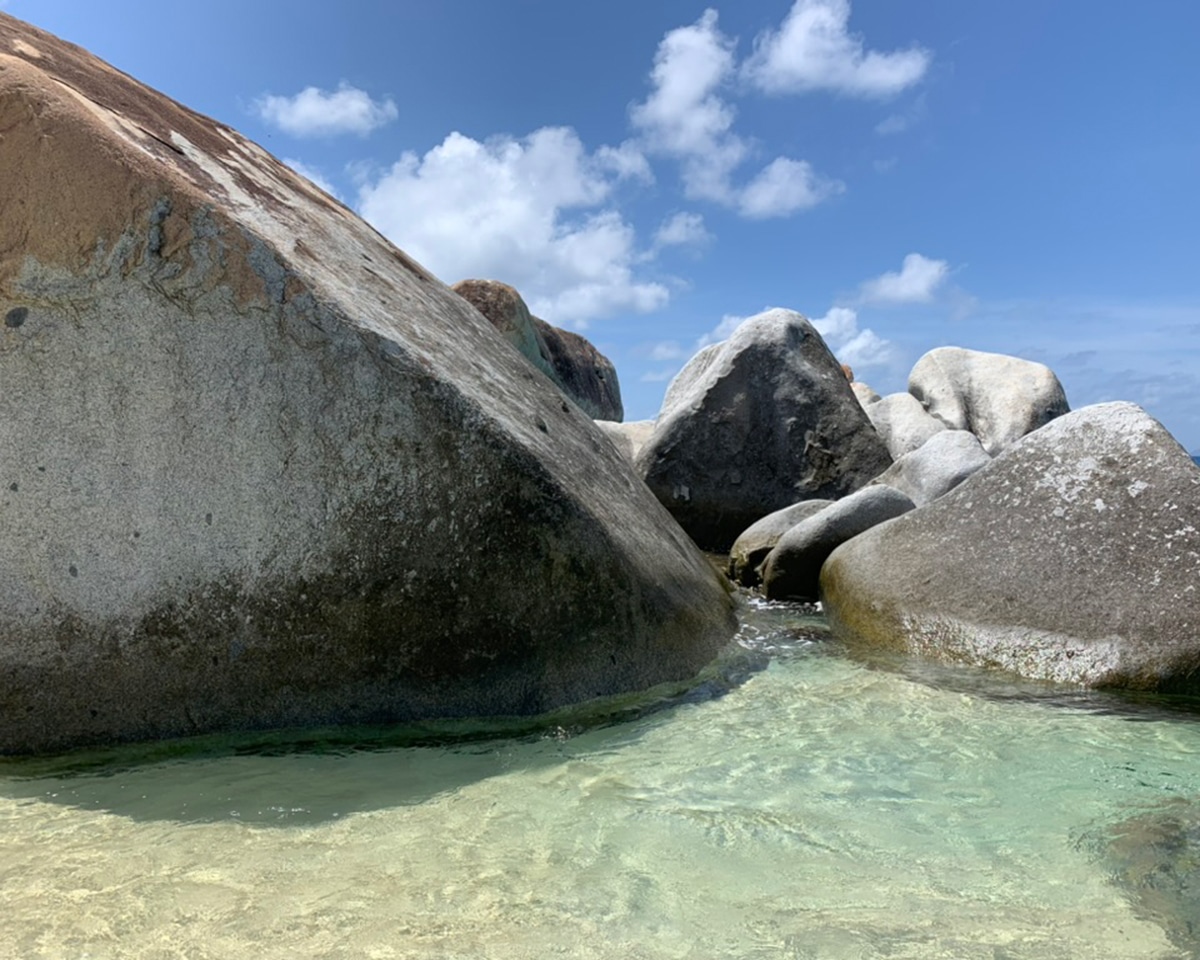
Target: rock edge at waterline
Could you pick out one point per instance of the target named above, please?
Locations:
(1074, 557)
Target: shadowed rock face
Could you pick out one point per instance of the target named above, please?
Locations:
(262, 469)
(1074, 556)
(754, 424)
(586, 375)
(582, 373)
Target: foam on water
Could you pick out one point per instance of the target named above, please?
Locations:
(818, 808)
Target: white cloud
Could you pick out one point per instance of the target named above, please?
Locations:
(682, 230)
(784, 187)
(722, 331)
(814, 50)
(668, 350)
(313, 174)
(851, 345)
(524, 211)
(917, 281)
(318, 113)
(685, 117)
(627, 162)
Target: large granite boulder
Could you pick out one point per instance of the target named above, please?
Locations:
(936, 467)
(998, 398)
(261, 469)
(585, 375)
(1074, 556)
(754, 543)
(755, 424)
(902, 422)
(792, 569)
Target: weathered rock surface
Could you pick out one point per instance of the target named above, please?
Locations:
(628, 437)
(1074, 556)
(865, 395)
(937, 466)
(750, 549)
(792, 570)
(584, 374)
(261, 469)
(755, 424)
(902, 422)
(998, 398)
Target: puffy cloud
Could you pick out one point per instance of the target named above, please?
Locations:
(916, 282)
(682, 230)
(814, 50)
(317, 113)
(627, 162)
(685, 117)
(524, 211)
(860, 348)
(784, 187)
(722, 331)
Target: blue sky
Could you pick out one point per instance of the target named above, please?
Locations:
(1020, 177)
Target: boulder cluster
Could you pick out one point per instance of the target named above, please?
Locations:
(973, 518)
(262, 469)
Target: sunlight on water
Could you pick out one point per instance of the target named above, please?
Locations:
(818, 809)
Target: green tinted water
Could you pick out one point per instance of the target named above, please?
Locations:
(820, 808)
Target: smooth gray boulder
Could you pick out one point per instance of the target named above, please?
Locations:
(937, 466)
(584, 375)
(903, 423)
(751, 547)
(755, 424)
(997, 397)
(261, 469)
(628, 437)
(1074, 556)
(792, 570)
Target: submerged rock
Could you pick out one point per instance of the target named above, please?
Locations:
(585, 375)
(1155, 858)
(1074, 556)
(998, 398)
(262, 469)
(755, 424)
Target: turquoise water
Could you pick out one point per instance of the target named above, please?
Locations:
(797, 804)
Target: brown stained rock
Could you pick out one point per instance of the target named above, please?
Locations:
(586, 375)
(261, 469)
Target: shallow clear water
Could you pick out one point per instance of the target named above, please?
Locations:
(811, 807)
